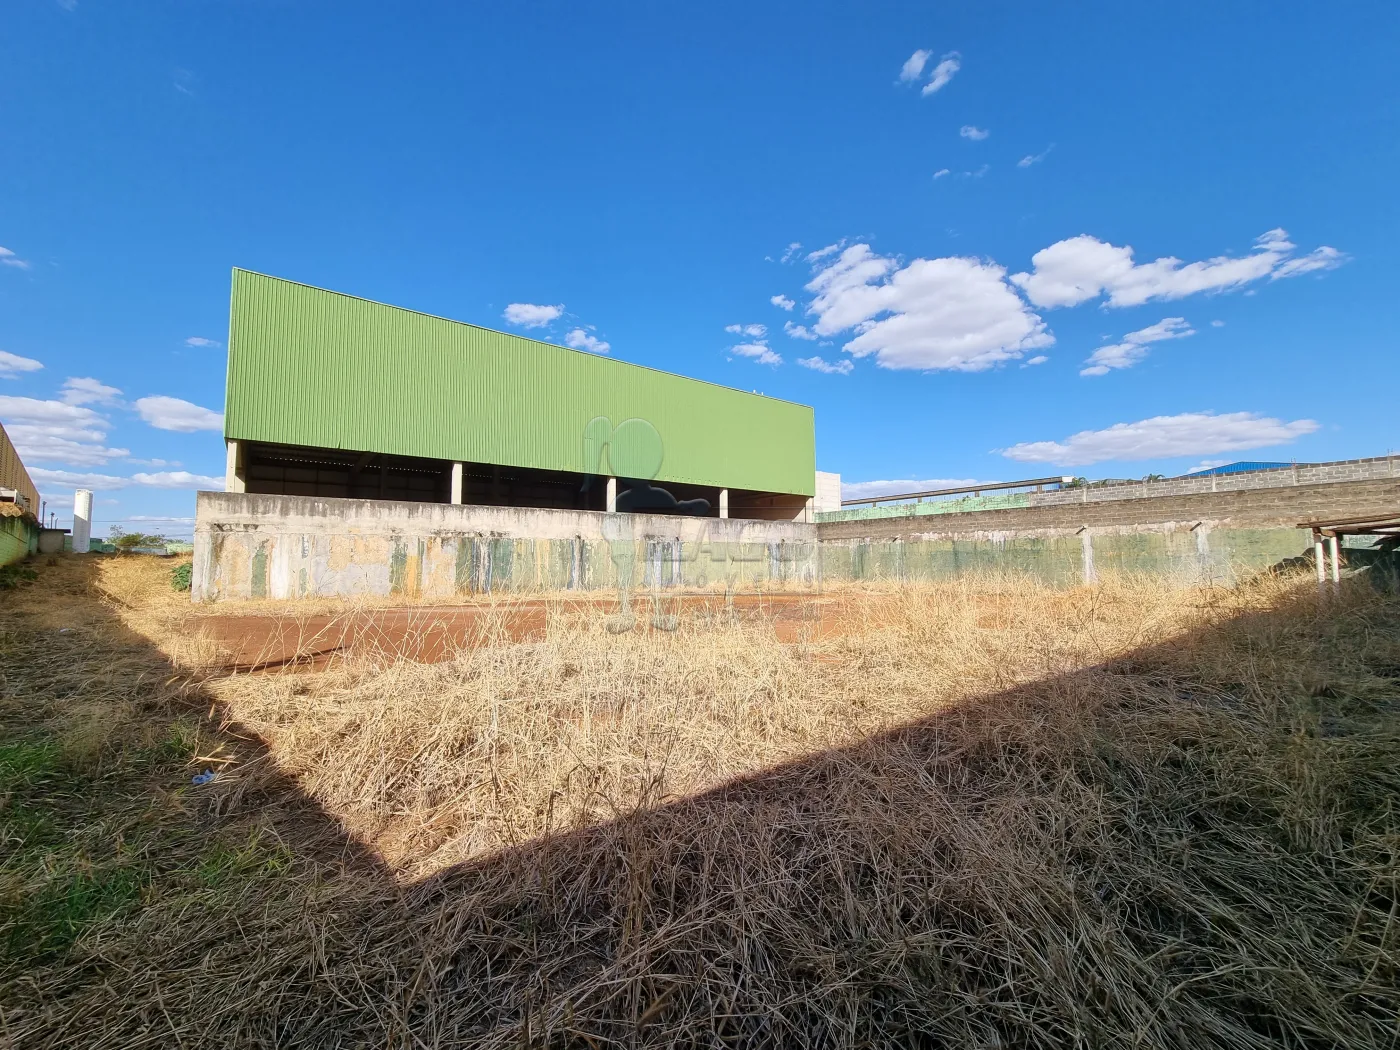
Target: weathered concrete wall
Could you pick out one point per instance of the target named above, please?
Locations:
(255, 546)
(1276, 507)
(1066, 557)
(19, 535)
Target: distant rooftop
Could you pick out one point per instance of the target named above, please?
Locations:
(1242, 467)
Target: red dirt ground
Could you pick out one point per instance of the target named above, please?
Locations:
(428, 634)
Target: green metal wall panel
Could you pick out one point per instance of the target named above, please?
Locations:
(313, 367)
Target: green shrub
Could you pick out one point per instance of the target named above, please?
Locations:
(180, 577)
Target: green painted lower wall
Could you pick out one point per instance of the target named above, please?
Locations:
(1215, 555)
(966, 505)
(19, 538)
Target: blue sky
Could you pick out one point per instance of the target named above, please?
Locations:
(952, 211)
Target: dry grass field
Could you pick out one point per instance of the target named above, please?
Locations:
(981, 814)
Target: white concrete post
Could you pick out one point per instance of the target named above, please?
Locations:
(612, 495)
(724, 503)
(1087, 542)
(1336, 560)
(82, 521)
(1319, 559)
(456, 483)
(233, 467)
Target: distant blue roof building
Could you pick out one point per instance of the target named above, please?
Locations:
(1242, 467)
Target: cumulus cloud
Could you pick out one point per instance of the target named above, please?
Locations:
(942, 73)
(84, 390)
(169, 479)
(199, 340)
(941, 172)
(171, 413)
(949, 313)
(753, 331)
(1133, 348)
(832, 368)
(532, 315)
(581, 340)
(1163, 437)
(758, 351)
(55, 432)
(1038, 359)
(870, 489)
(1081, 268)
(799, 331)
(913, 67)
(782, 302)
(12, 365)
(971, 131)
(9, 258)
(822, 253)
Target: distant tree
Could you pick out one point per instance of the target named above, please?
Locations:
(127, 540)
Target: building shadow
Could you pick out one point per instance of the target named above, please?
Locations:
(1110, 856)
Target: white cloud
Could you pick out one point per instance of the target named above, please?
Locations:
(758, 351)
(950, 313)
(1133, 348)
(941, 172)
(531, 315)
(913, 67)
(799, 331)
(1038, 359)
(1163, 437)
(171, 413)
(1034, 158)
(1081, 268)
(822, 253)
(581, 340)
(199, 340)
(12, 365)
(84, 390)
(970, 131)
(978, 173)
(782, 302)
(868, 489)
(753, 331)
(943, 72)
(792, 250)
(177, 479)
(1205, 464)
(155, 462)
(172, 479)
(54, 432)
(1217, 324)
(9, 258)
(832, 368)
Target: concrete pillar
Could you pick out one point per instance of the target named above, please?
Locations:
(1319, 559)
(1333, 545)
(456, 483)
(724, 503)
(234, 479)
(82, 521)
(1087, 542)
(612, 495)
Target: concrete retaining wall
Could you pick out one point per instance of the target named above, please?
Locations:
(19, 537)
(1066, 557)
(256, 546)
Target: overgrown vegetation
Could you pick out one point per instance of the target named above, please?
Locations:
(981, 814)
(16, 574)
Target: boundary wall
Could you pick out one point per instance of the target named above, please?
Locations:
(261, 546)
(1197, 529)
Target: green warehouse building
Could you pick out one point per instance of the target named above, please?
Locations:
(373, 449)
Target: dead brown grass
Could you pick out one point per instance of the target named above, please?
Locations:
(990, 815)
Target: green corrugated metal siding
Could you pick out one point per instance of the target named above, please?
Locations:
(312, 367)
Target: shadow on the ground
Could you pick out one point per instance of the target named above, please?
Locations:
(1189, 846)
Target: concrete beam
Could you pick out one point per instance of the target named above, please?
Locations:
(724, 503)
(612, 495)
(234, 477)
(457, 483)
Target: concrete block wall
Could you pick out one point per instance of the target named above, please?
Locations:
(260, 546)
